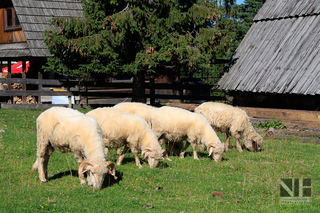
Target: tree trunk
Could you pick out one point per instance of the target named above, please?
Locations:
(138, 88)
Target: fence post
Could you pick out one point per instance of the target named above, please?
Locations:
(152, 92)
(24, 86)
(9, 84)
(69, 97)
(40, 84)
(181, 91)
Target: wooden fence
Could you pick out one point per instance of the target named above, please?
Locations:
(90, 94)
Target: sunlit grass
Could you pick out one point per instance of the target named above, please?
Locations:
(249, 181)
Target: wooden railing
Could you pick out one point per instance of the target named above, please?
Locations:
(97, 93)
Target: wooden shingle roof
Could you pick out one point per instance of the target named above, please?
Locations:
(34, 16)
(13, 50)
(280, 53)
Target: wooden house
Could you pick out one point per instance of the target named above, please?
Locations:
(277, 64)
(22, 26)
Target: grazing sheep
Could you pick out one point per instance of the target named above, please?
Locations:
(134, 108)
(68, 130)
(123, 129)
(232, 121)
(175, 125)
(143, 111)
(139, 109)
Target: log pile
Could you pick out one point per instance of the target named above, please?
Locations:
(29, 100)
(3, 86)
(16, 86)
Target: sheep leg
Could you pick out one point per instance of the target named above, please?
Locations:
(226, 144)
(118, 151)
(184, 149)
(169, 146)
(43, 168)
(120, 159)
(106, 151)
(43, 159)
(239, 148)
(79, 159)
(136, 157)
(162, 141)
(194, 147)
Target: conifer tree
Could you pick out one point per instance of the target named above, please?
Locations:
(245, 14)
(139, 37)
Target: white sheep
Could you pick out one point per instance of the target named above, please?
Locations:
(143, 110)
(232, 121)
(134, 108)
(68, 130)
(175, 125)
(123, 129)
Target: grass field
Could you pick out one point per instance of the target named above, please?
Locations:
(249, 181)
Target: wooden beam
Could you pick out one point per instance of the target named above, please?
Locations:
(34, 93)
(24, 86)
(31, 81)
(40, 84)
(9, 74)
(283, 114)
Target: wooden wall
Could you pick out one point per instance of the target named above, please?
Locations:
(10, 36)
(280, 101)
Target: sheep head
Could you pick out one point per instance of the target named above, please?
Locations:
(96, 172)
(154, 156)
(254, 143)
(216, 151)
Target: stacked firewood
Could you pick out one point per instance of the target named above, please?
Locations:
(29, 100)
(16, 86)
(3, 86)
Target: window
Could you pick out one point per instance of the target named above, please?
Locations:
(11, 20)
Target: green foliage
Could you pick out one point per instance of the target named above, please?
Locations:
(249, 181)
(155, 37)
(244, 15)
(275, 123)
(147, 36)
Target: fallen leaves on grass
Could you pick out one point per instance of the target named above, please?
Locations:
(217, 194)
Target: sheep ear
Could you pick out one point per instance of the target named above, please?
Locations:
(85, 170)
(210, 151)
(145, 153)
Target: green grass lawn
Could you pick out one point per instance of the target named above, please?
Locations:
(249, 181)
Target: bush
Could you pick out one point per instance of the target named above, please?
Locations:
(275, 123)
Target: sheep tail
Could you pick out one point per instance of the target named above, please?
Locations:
(35, 166)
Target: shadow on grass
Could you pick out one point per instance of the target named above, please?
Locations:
(162, 165)
(62, 174)
(202, 155)
(108, 180)
(128, 160)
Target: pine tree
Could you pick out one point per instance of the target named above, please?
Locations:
(246, 12)
(140, 37)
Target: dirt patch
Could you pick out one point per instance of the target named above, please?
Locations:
(303, 133)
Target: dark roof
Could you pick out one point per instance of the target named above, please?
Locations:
(280, 53)
(14, 50)
(34, 15)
